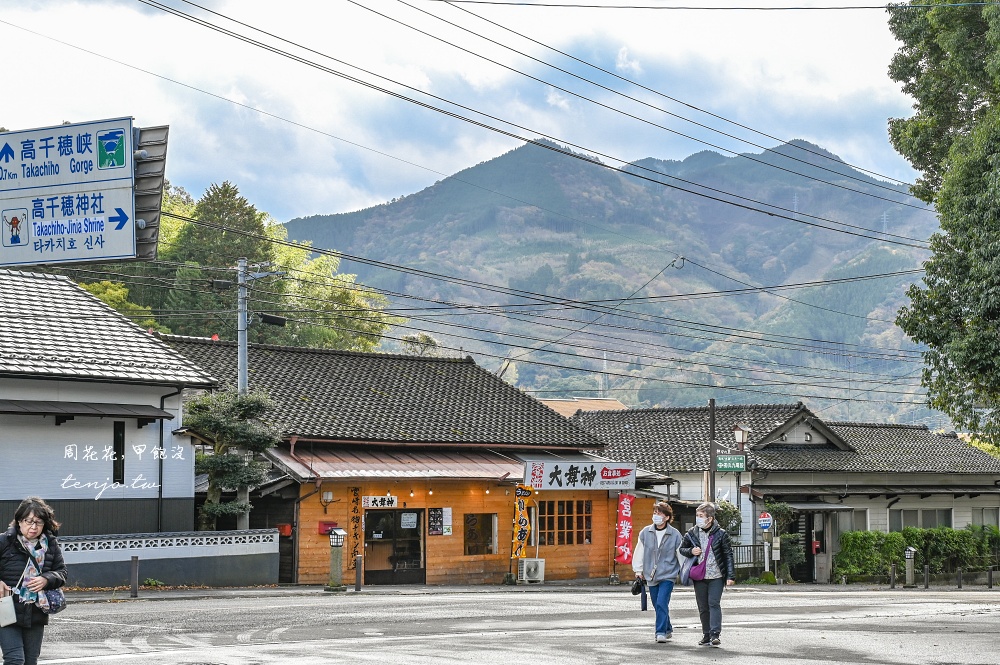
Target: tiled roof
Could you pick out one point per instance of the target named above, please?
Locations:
(52, 328)
(674, 440)
(370, 397)
(883, 448)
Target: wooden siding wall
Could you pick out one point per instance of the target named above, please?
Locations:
(446, 562)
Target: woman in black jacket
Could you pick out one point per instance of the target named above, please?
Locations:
(720, 570)
(30, 562)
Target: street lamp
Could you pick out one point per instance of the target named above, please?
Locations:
(337, 536)
(336, 582)
(741, 432)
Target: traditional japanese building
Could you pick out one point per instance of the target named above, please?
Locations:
(418, 460)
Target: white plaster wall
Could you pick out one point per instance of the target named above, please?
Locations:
(68, 461)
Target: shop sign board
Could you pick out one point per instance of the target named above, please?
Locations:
(579, 475)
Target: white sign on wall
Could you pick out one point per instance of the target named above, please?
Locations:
(579, 475)
(67, 193)
(379, 501)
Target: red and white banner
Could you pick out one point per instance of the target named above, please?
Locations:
(623, 538)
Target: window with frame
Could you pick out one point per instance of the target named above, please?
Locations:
(480, 533)
(931, 518)
(986, 517)
(118, 458)
(565, 522)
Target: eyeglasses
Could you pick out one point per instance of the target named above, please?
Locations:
(32, 523)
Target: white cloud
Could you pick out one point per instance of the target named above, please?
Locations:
(627, 65)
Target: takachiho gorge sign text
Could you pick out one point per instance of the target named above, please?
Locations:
(67, 193)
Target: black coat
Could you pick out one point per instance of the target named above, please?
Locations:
(14, 558)
(722, 547)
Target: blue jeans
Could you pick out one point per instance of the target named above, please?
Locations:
(708, 593)
(21, 646)
(660, 595)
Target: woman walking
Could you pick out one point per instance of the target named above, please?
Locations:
(708, 541)
(655, 560)
(30, 562)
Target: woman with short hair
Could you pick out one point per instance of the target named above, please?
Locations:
(706, 540)
(655, 561)
(31, 561)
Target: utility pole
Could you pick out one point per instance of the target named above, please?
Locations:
(711, 450)
(241, 326)
(242, 371)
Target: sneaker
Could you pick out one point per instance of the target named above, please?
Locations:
(660, 637)
(705, 641)
(668, 635)
(716, 642)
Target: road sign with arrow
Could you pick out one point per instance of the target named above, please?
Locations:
(67, 194)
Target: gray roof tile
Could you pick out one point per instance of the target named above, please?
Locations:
(372, 397)
(676, 440)
(54, 329)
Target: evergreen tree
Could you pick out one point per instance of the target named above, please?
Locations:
(237, 428)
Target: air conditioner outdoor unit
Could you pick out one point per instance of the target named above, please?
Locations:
(530, 571)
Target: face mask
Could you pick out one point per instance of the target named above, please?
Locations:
(701, 521)
(658, 519)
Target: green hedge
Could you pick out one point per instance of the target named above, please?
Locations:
(944, 549)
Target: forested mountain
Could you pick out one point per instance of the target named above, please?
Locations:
(541, 222)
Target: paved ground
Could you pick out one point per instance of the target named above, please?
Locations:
(550, 623)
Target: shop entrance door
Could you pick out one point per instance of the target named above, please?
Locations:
(394, 547)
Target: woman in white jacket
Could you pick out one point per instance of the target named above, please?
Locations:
(655, 560)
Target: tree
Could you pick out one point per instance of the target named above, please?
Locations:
(115, 296)
(950, 64)
(729, 518)
(244, 233)
(957, 311)
(235, 427)
(420, 344)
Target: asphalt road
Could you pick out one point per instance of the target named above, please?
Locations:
(532, 626)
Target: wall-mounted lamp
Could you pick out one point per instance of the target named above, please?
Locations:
(411, 492)
(326, 499)
(388, 492)
(430, 492)
(487, 490)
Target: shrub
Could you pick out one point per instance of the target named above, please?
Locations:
(729, 518)
(942, 549)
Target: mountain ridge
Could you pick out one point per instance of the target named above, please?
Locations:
(533, 220)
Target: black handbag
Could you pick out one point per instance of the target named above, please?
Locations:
(637, 586)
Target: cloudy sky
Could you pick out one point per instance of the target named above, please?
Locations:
(333, 128)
